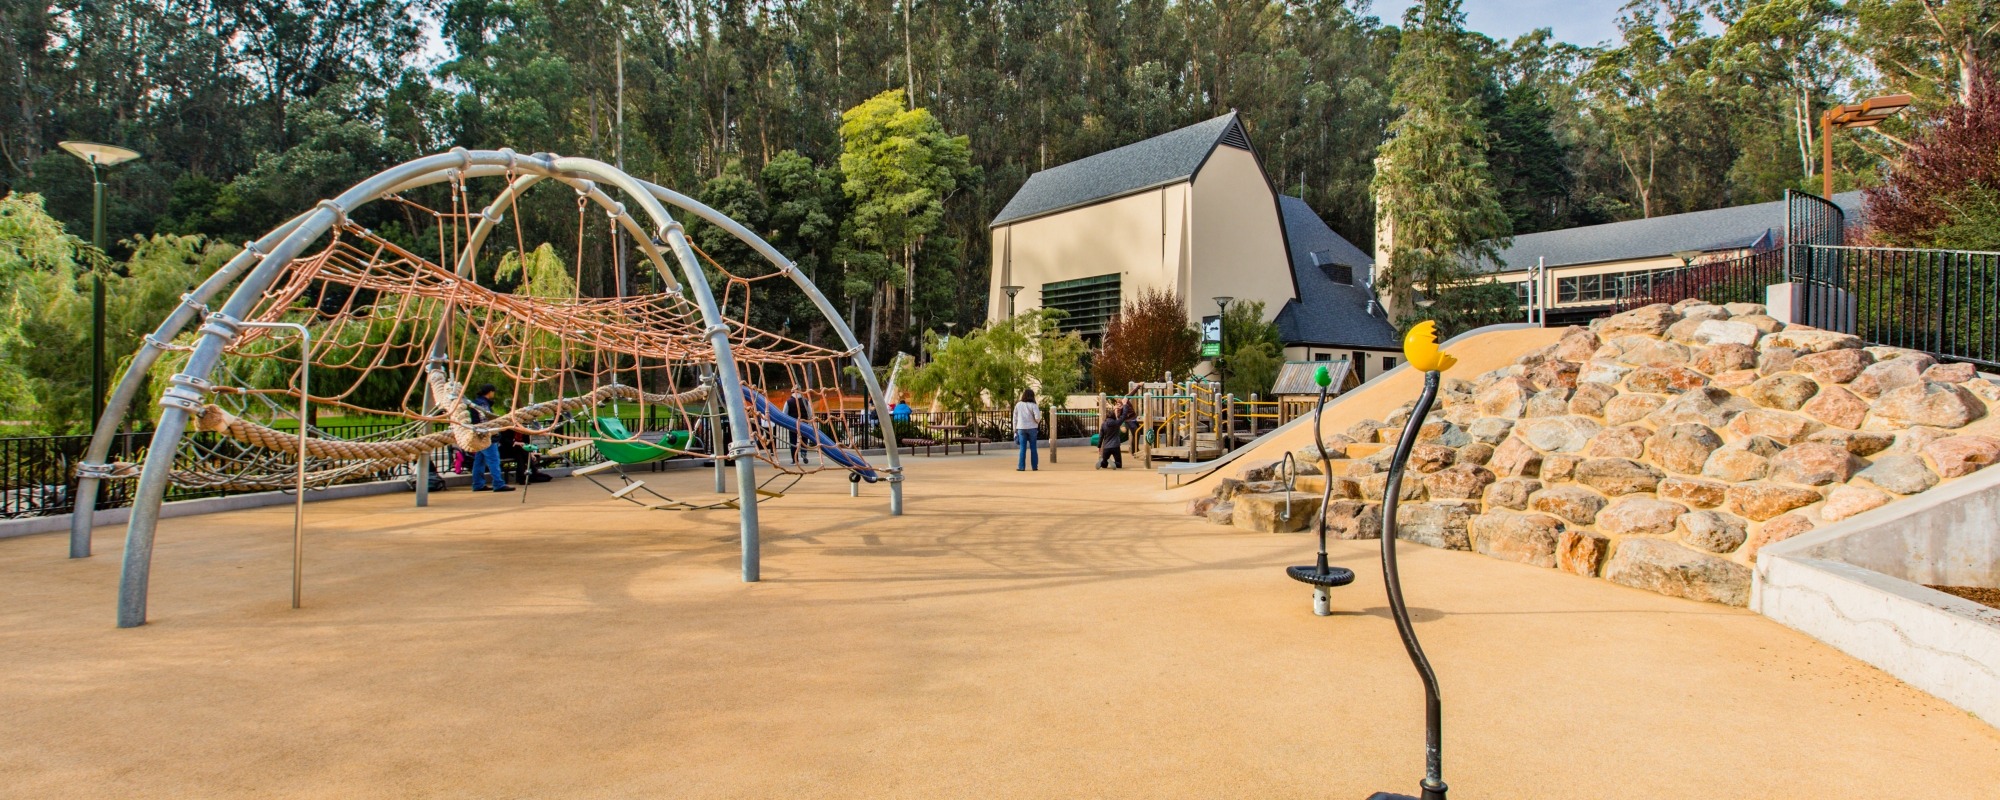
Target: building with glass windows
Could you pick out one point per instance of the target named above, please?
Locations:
(1191, 211)
(1587, 270)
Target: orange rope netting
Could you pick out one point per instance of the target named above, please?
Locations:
(375, 306)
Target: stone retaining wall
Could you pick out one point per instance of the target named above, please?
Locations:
(1659, 448)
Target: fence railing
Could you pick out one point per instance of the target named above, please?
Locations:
(1734, 280)
(38, 473)
(1943, 302)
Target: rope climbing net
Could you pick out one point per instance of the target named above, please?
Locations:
(399, 338)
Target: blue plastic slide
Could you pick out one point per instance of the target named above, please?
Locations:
(834, 452)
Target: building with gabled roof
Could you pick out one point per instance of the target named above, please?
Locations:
(1190, 211)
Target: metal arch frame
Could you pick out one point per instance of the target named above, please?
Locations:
(876, 396)
(194, 302)
(261, 261)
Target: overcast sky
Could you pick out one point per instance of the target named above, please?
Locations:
(1584, 22)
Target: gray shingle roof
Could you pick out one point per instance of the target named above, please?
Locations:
(1168, 158)
(1715, 229)
(1326, 312)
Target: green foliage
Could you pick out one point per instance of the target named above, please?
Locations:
(1433, 178)
(989, 366)
(1973, 224)
(1934, 50)
(1255, 353)
(1149, 339)
(899, 166)
(45, 283)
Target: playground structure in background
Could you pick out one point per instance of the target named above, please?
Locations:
(1191, 420)
(374, 309)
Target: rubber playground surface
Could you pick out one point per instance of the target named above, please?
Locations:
(1061, 633)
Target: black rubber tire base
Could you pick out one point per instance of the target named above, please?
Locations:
(1335, 576)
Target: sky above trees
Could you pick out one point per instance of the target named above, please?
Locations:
(1578, 22)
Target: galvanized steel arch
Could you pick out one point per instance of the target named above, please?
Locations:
(261, 262)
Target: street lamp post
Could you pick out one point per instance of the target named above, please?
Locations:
(1865, 114)
(1011, 291)
(1222, 369)
(99, 157)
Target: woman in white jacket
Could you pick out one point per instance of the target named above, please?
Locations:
(1027, 429)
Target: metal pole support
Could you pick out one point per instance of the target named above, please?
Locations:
(299, 486)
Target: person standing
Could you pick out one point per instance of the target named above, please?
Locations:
(799, 408)
(486, 475)
(1027, 429)
(1111, 434)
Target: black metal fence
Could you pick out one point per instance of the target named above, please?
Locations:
(38, 473)
(1734, 280)
(1943, 302)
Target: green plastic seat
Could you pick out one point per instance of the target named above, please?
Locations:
(616, 443)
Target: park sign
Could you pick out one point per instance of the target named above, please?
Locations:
(1211, 336)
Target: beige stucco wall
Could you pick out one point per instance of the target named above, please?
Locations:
(1373, 359)
(1142, 237)
(1238, 243)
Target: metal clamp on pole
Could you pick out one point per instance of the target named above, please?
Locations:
(216, 323)
(186, 392)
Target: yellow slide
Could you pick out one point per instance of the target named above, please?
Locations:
(1478, 351)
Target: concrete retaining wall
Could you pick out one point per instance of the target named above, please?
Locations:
(1852, 585)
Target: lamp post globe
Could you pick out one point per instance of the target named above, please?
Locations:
(100, 157)
(1011, 291)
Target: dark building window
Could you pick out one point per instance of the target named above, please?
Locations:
(1612, 286)
(1360, 362)
(1521, 293)
(1388, 363)
(1342, 274)
(1089, 303)
(1322, 356)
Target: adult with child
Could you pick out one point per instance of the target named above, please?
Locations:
(1027, 430)
(1111, 434)
(486, 474)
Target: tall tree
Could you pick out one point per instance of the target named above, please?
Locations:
(1935, 49)
(1432, 178)
(900, 166)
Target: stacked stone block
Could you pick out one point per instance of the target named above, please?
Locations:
(1659, 448)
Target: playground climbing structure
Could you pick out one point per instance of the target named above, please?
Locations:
(381, 314)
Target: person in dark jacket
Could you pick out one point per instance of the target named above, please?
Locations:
(799, 407)
(486, 473)
(1110, 435)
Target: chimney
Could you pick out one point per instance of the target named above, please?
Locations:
(1385, 245)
